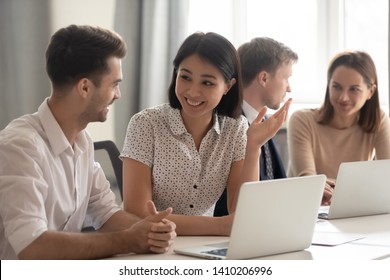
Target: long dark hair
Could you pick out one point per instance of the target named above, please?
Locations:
(218, 51)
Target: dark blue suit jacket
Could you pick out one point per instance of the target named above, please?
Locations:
(279, 172)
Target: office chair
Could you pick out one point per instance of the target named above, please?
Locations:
(113, 153)
(116, 163)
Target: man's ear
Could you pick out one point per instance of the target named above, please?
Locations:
(262, 77)
(84, 87)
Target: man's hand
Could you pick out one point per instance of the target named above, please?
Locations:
(154, 233)
(162, 233)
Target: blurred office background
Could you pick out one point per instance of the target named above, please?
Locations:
(154, 29)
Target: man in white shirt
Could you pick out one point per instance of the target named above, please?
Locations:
(49, 182)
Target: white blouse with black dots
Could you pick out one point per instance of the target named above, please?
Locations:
(188, 180)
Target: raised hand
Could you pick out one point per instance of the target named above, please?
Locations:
(261, 131)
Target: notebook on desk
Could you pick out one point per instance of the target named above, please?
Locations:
(272, 217)
(362, 189)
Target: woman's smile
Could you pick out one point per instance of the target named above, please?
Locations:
(192, 102)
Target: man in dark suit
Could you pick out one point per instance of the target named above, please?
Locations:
(266, 67)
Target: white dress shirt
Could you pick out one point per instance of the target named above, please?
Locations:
(47, 185)
(250, 112)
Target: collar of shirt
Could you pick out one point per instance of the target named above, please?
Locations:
(55, 135)
(177, 125)
(249, 111)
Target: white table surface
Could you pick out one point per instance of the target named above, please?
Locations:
(374, 244)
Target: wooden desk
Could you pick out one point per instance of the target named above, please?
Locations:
(374, 245)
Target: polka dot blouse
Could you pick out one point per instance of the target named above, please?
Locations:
(184, 178)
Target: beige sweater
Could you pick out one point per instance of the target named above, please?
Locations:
(319, 149)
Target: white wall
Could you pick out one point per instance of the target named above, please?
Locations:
(92, 12)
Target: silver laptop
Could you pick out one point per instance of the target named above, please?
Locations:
(362, 189)
(272, 217)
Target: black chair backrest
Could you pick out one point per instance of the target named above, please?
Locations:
(116, 162)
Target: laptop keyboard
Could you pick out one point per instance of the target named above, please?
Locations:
(323, 215)
(217, 252)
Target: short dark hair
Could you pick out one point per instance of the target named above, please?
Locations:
(218, 51)
(263, 54)
(79, 51)
(369, 115)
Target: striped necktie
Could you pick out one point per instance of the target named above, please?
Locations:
(269, 171)
(268, 162)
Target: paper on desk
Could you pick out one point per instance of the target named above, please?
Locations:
(334, 238)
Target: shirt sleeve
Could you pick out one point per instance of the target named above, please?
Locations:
(23, 192)
(382, 141)
(299, 138)
(139, 140)
(102, 202)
